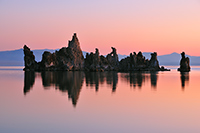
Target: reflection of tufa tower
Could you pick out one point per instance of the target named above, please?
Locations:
(137, 79)
(29, 80)
(154, 78)
(70, 82)
(184, 79)
(96, 78)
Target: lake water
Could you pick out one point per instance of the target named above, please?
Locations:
(99, 102)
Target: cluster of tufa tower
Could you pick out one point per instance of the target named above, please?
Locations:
(71, 59)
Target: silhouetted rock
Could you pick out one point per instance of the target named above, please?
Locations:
(74, 53)
(133, 62)
(67, 58)
(140, 60)
(137, 62)
(71, 58)
(153, 63)
(184, 63)
(49, 61)
(94, 62)
(112, 58)
(29, 59)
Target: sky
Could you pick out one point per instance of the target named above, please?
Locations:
(162, 26)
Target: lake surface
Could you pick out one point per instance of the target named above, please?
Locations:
(99, 102)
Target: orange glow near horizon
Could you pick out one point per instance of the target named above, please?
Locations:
(129, 26)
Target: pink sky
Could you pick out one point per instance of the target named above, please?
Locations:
(164, 26)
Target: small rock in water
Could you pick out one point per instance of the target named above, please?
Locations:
(184, 63)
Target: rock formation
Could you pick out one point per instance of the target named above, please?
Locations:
(184, 63)
(48, 62)
(29, 60)
(137, 62)
(71, 58)
(67, 58)
(133, 62)
(153, 63)
(112, 59)
(74, 53)
(94, 62)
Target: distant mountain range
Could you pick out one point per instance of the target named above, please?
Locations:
(16, 57)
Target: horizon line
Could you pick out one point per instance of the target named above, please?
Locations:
(94, 50)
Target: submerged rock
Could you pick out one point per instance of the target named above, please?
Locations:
(184, 63)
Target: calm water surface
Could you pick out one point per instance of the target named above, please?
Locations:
(99, 102)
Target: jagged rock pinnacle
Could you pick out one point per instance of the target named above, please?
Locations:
(74, 43)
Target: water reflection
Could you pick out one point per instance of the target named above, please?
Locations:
(71, 82)
(137, 79)
(154, 79)
(29, 80)
(94, 78)
(184, 79)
